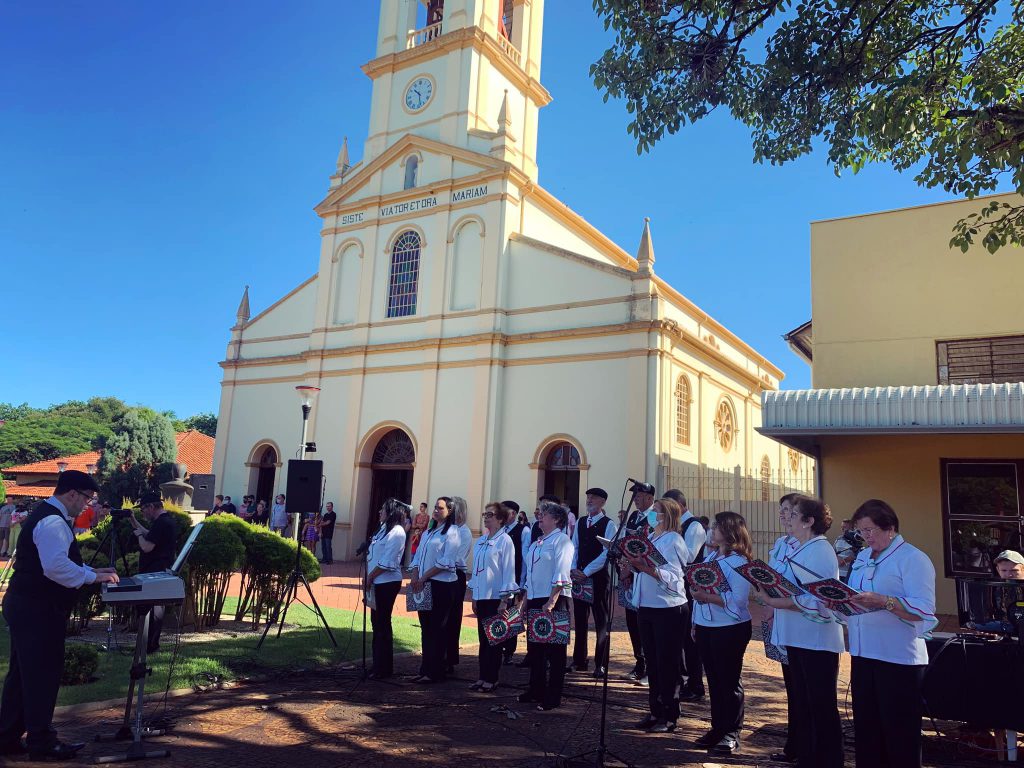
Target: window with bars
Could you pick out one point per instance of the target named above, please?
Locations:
(405, 275)
(991, 360)
(683, 410)
(766, 478)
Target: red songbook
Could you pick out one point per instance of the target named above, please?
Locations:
(708, 576)
(770, 581)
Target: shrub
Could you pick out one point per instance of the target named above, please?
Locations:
(218, 552)
(81, 660)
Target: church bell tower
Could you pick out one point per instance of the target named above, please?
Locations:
(462, 72)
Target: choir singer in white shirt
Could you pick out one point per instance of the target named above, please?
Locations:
(887, 645)
(813, 639)
(384, 578)
(547, 567)
(493, 582)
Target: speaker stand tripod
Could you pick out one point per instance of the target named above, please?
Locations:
(289, 594)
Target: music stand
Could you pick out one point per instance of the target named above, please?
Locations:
(601, 751)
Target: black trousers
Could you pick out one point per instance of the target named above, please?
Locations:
(454, 628)
(37, 633)
(380, 619)
(820, 736)
(721, 649)
(691, 665)
(489, 655)
(792, 728)
(433, 629)
(547, 662)
(633, 627)
(508, 648)
(886, 713)
(582, 611)
(661, 631)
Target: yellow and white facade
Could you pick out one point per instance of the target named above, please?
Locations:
(524, 330)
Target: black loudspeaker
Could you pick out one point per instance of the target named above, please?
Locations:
(202, 495)
(304, 482)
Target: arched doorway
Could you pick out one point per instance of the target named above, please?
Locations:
(266, 473)
(562, 474)
(391, 468)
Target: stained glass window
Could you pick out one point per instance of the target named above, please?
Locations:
(725, 425)
(405, 275)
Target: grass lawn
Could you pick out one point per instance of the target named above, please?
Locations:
(303, 647)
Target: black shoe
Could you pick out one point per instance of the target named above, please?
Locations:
(646, 723)
(638, 673)
(691, 696)
(709, 739)
(782, 757)
(508, 660)
(546, 707)
(59, 751)
(13, 748)
(574, 668)
(726, 746)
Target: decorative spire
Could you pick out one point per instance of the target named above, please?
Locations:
(504, 117)
(645, 256)
(243, 308)
(343, 163)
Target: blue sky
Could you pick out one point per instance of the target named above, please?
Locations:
(158, 157)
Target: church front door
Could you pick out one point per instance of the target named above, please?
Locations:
(392, 467)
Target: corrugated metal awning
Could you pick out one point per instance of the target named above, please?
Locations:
(795, 417)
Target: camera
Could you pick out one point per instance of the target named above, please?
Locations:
(120, 514)
(854, 539)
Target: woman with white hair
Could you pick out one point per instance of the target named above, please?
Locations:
(454, 628)
(546, 573)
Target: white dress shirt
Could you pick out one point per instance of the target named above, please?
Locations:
(782, 547)
(904, 572)
(494, 567)
(526, 536)
(696, 537)
(668, 589)
(465, 545)
(386, 550)
(597, 564)
(278, 516)
(547, 564)
(736, 609)
(812, 625)
(52, 537)
(438, 550)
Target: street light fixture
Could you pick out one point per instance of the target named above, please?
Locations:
(61, 466)
(90, 468)
(307, 396)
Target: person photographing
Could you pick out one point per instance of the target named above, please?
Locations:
(48, 573)
(156, 553)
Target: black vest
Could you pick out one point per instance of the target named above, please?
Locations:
(535, 533)
(586, 536)
(516, 534)
(28, 579)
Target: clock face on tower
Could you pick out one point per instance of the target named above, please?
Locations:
(419, 93)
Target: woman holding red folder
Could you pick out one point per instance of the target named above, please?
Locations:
(813, 640)
(493, 580)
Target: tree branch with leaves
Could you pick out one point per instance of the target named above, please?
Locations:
(935, 88)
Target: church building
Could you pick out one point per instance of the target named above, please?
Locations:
(470, 334)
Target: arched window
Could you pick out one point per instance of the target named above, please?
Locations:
(562, 474)
(405, 275)
(766, 478)
(505, 20)
(412, 171)
(725, 424)
(683, 410)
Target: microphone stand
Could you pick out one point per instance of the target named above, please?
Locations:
(601, 752)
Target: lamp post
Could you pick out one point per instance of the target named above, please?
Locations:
(90, 469)
(61, 466)
(307, 396)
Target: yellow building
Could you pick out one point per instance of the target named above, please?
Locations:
(917, 353)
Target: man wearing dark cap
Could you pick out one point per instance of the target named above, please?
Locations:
(515, 532)
(47, 575)
(156, 553)
(588, 562)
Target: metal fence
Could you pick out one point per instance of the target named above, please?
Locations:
(710, 491)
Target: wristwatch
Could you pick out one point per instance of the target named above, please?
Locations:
(890, 603)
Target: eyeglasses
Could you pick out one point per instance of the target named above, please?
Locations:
(865, 532)
(488, 514)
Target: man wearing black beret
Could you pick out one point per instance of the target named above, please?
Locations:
(48, 573)
(589, 563)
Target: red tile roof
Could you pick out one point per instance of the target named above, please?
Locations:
(194, 449)
(78, 461)
(24, 491)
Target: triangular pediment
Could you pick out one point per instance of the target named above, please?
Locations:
(350, 189)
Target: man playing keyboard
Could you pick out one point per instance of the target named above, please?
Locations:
(156, 553)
